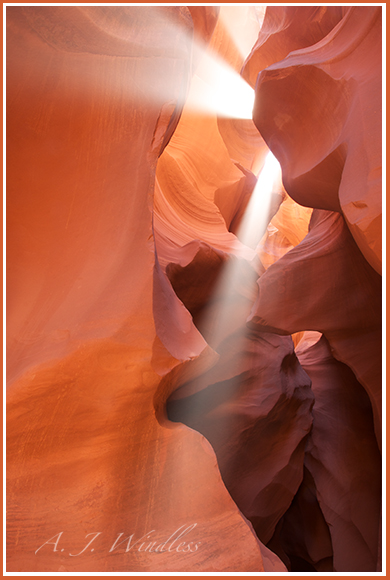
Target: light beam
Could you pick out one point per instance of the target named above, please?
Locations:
(255, 219)
(221, 91)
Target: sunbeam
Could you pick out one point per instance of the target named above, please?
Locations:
(252, 228)
(223, 323)
(256, 215)
(218, 89)
(235, 290)
(213, 86)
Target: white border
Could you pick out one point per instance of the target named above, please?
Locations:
(199, 574)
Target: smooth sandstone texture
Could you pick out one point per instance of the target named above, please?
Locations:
(86, 452)
(254, 406)
(254, 403)
(76, 166)
(286, 29)
(351, 500)
(134, 305)
(302, 538)
(207, 173)
(336, 292)
(332, 523)
(319, 110)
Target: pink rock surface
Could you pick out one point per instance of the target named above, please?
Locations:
(319, 110)
(289, 28)
(135, 299)
(336, 292)
(318, 107)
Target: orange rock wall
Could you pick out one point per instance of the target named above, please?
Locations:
(85, 451)
(167, 382)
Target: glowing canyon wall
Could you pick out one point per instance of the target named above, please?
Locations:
(193, 384)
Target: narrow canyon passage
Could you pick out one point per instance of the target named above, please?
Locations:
(194, 290)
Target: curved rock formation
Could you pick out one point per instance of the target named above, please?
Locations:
(254, 408)
(136, 300)
(319, 111)
(286, 229)
(336, 292)
(288, 28)
(351, 499)
(332, 523)
(86, 453)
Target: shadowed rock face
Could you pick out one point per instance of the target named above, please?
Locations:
(332, 523)
(342, 417)
(254, 408)
(336, 292)
(156, 406)
(319, 110)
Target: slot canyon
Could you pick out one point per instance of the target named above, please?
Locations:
(194, 289)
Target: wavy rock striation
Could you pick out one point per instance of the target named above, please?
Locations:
(159, 418)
